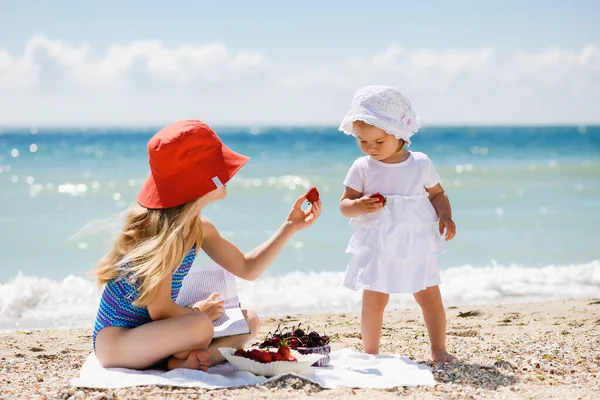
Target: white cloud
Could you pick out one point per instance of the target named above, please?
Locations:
(16, 72)
(248, 59)
(476, 85)
(182, 64)
(148, 82)
(394, 58)
(424, 69)
(438, 70)
(555, 66)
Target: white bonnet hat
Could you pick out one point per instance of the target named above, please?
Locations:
(384, 107)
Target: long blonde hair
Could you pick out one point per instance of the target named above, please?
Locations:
(149, 247)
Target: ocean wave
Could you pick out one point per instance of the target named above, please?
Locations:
(30, 302)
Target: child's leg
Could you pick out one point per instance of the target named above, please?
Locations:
(434, 314)
(371, 319)
(144, 346)
(234, 341)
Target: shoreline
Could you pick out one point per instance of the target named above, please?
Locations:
(516, 350)
(31, 302)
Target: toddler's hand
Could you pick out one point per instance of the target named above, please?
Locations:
(450, 226)
(212, 307)
(367, 205)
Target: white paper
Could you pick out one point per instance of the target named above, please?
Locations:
(203, 280)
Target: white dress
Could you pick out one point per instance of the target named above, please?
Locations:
(395, 249)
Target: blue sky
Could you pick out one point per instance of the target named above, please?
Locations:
(273, 62)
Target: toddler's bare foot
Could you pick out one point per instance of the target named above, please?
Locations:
(442, 356)
(196, 359)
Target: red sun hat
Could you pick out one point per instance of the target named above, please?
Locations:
(187, 160)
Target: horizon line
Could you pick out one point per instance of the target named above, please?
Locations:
(308, 125)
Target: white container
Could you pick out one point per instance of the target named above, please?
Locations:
(274, 368)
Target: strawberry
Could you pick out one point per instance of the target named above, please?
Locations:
(284, 351)
(277, 357)
(240, 352)
(379, 197)
(264, 357)
(255, 355)
(312, 195)
(292, 359)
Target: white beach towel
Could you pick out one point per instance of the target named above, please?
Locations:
(347, 368)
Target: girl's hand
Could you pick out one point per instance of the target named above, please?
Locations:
(300, 219)
(212, 307)
(367, 205)
(450, 226)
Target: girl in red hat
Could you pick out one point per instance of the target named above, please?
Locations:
(138, 323)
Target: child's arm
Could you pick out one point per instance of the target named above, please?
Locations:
(441, 203)
(251, 265)
(161, 306)
(353, 203)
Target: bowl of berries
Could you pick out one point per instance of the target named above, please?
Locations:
(270, 363)
(297, 339)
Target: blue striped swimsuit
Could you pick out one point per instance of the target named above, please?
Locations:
(116, 308)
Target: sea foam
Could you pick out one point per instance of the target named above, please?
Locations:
(30, 302)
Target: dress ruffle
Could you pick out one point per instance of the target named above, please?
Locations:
(395, 249)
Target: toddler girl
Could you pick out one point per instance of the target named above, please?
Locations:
(395, 244)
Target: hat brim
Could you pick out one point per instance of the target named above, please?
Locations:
(392, 127)
(195, 182)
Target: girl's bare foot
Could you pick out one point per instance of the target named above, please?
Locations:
(442, 356)
(196, 359)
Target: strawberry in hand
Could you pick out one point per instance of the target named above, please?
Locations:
(300, 219)
(312, 195)
(380, 197)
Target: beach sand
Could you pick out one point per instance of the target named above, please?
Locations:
(538, 350)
